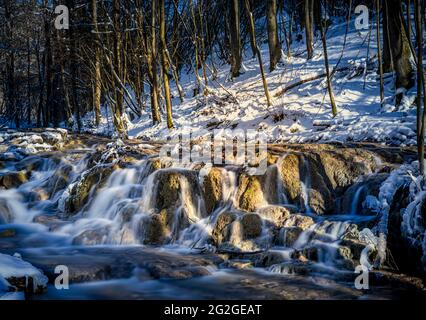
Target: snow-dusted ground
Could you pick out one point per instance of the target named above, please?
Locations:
(302, 114)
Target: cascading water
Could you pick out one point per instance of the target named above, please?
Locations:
(142, 202)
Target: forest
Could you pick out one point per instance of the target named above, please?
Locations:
(93, 92)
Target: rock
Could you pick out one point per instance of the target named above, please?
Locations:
(344, 252)
(291, 177)
(270, 258)
(310, 252)
(274, 214)
(6, 213)
(238, 264)
(89, 181)
(21, 275)
(59, 180)
(297, 220)
(30, 163)
(50, 221)
(13, 179)
(250, 194)
(251, 225)
(212, 189)
(153, 229)
(290, 235)
(7, 233)
(92, 237)
(343, 165)
(220, 231)
(300, 267)
(368, 186)
(179, 188)
(164, 271)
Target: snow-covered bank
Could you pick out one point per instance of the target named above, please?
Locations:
(303, 113)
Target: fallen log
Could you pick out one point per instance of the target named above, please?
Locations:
(313, 78)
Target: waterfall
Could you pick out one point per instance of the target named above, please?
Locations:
(355, 200)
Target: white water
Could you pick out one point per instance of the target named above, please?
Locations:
(121, 210)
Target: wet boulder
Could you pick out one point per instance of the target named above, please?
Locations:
(153, 228)
(59, 180)
(13, 179)
(356, 197)
(21, 275)
(298, 220)
(289, 235)
(221, 230)
(92, 237)
(212, 189)
(251, 225)
(290, 174)
(250, 193)
(179, 189)
(276, 215)
(30, 163)
(79, 192)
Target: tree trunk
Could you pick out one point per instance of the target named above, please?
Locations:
(118, 68)
(259, 56)
(97, 72)
(399, 46)
(420, 87)
(379, 52)
(156, 118)
(327, 70)
(73, 64)
(308, 29)
(165, 65)
(234, 38)
(273, 41)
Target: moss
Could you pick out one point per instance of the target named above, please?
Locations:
(168, 190)
(212, 189)
(291, 176)
(251, 193)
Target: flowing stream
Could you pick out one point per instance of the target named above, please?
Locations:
(134, 227)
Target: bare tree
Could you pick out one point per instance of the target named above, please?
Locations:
(308, 28)
(379, 52)
(165, 65)
(235, 40)
(327, 68)
(257, 51)
(273, 41)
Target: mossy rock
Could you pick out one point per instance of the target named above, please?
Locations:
(290, 235)
(290, 174)
(91, 179)
(298, 220)
(250, 193)
(13, 179)
(277, 215)
(178, 188)
(252, 225)
(220, 230)
(212, 189)
(154, 228)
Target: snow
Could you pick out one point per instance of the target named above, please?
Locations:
(302, 114)
(14, 266)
